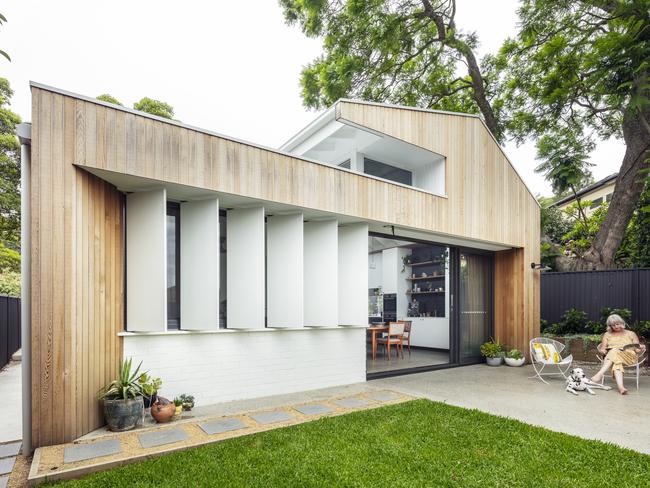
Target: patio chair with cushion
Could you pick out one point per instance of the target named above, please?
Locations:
(631, 370)
(545, 352)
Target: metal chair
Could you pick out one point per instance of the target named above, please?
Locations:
(635, 368)
(539, 364)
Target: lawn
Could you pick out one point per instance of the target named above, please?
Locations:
(419, 443)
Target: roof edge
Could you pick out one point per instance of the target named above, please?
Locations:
(587, 189)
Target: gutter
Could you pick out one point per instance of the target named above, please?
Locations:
(24, 133)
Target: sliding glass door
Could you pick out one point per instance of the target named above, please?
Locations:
(474, 304)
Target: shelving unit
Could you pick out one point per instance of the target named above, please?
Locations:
(429, 302)
(425, 263)
(427, 278)
(424, 292)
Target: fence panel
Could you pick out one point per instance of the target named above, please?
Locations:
(593, 290)
(9, 328)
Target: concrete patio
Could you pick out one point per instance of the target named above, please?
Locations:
(607, 416)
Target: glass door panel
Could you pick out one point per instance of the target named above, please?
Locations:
(475, 293)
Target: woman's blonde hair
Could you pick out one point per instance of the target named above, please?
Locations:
(614, 319)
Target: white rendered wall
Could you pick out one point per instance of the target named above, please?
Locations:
(321, 273)
(353, 274)
(245, 268)
(200, 265)
(389, 270)
(375, 270)
(232, 365)
(284, 271)
(146, 261)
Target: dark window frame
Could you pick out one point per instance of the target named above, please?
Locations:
(174, 210)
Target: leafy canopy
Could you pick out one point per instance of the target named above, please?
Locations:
(155, 107)
(9, 170)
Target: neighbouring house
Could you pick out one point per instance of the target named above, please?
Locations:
(234, 271)
(596, 194)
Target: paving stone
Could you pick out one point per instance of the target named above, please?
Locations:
(314, 409)
(383, 396)
(6, 465)
(221, 426)
(161, 437)
(82, 452)
(3, 481)
(271, 417)
(12, 449)
(352, 402)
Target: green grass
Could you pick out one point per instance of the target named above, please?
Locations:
(419, 443)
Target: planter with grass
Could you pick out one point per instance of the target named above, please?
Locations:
(123, 405)
(492, 351)
(514, 357)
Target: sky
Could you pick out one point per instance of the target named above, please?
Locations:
(232, 67)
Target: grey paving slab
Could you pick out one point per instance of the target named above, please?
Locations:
(271, 417)
(82, 452)
(352, 402)
(383, 396)
(162, 437)
(11, 449)
(6, 465)
(221, 426)
(3, 481)
(314, 409)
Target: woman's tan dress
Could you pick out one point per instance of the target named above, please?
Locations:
(615, 355)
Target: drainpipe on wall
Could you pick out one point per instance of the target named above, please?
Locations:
(24, 132)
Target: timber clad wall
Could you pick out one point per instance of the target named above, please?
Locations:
(77, 255)
(77, 278)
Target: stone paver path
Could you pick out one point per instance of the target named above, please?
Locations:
(8, 453)
(115, 449)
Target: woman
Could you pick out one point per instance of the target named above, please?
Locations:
(616, 355)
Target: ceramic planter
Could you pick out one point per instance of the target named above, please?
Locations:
(163, 412)
(121, 415)
(494, 361)
(515, 362)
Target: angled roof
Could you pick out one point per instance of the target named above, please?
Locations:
(588, 189)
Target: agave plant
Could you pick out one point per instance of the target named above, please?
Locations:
(126, 385)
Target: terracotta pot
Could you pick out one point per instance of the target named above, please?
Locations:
(162, 412)
(121, 415)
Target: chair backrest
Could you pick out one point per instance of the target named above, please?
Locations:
(407, 325)
(396, 329)
(559, 347)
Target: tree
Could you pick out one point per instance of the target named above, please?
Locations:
(155, 107)
(402, 51)
(105, 97)
(9, 171)
(3, 19)
(582, 68)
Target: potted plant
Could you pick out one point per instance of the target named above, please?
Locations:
(492, 351)
(123, 405)
(150, 387)
(178, 406)
(162, 410)
(188, 401)
(514, 357)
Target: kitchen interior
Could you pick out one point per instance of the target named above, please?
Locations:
(408, 282)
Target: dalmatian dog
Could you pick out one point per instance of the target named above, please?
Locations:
(578, 381)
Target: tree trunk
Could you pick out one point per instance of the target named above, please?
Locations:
(629, 185)
(478, 93)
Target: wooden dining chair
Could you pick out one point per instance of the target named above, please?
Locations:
(406, 337)
(394, 337)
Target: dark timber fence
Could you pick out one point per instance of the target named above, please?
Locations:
(592, 290)
(9, 328)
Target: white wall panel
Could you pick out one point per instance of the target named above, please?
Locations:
(146, 261)
(245, 268)
(200, 265)
(321, 274)
(353, 274)
(284, 271)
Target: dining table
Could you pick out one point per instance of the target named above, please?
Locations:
(374, 330)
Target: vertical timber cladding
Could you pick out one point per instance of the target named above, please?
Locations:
(77, 275)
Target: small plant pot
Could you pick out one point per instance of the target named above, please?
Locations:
(494, 361)
(163, 412)
(188, 406)
(148, 401)
(121, 415)
(515, 362)
(178, 410)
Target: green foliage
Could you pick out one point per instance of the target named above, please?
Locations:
(149, 385)
(3, 19)
(491, 349)
(178, 402)
(554, 223)
(105, 97)
(155, 107)
(642, 328)
(581, 236)
(10, 283)
(573, 321)
(634, 251)
(187, 401)
(126, 385)
(625, 314)
(437, 445)
(9, 259)
(514, 354)
(9, 170)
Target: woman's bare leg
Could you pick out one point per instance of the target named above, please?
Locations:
(618, 376)
(598, 377)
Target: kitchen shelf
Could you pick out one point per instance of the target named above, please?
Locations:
(424, 292)
(424, 263)
(431, 277)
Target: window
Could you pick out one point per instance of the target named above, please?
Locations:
(345, 164)
(388, 172)
(596, 203)
(608, 197)
(173, 265)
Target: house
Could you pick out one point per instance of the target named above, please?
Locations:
(596, 194)
(233, 270)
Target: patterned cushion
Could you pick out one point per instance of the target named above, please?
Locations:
(546, 353)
